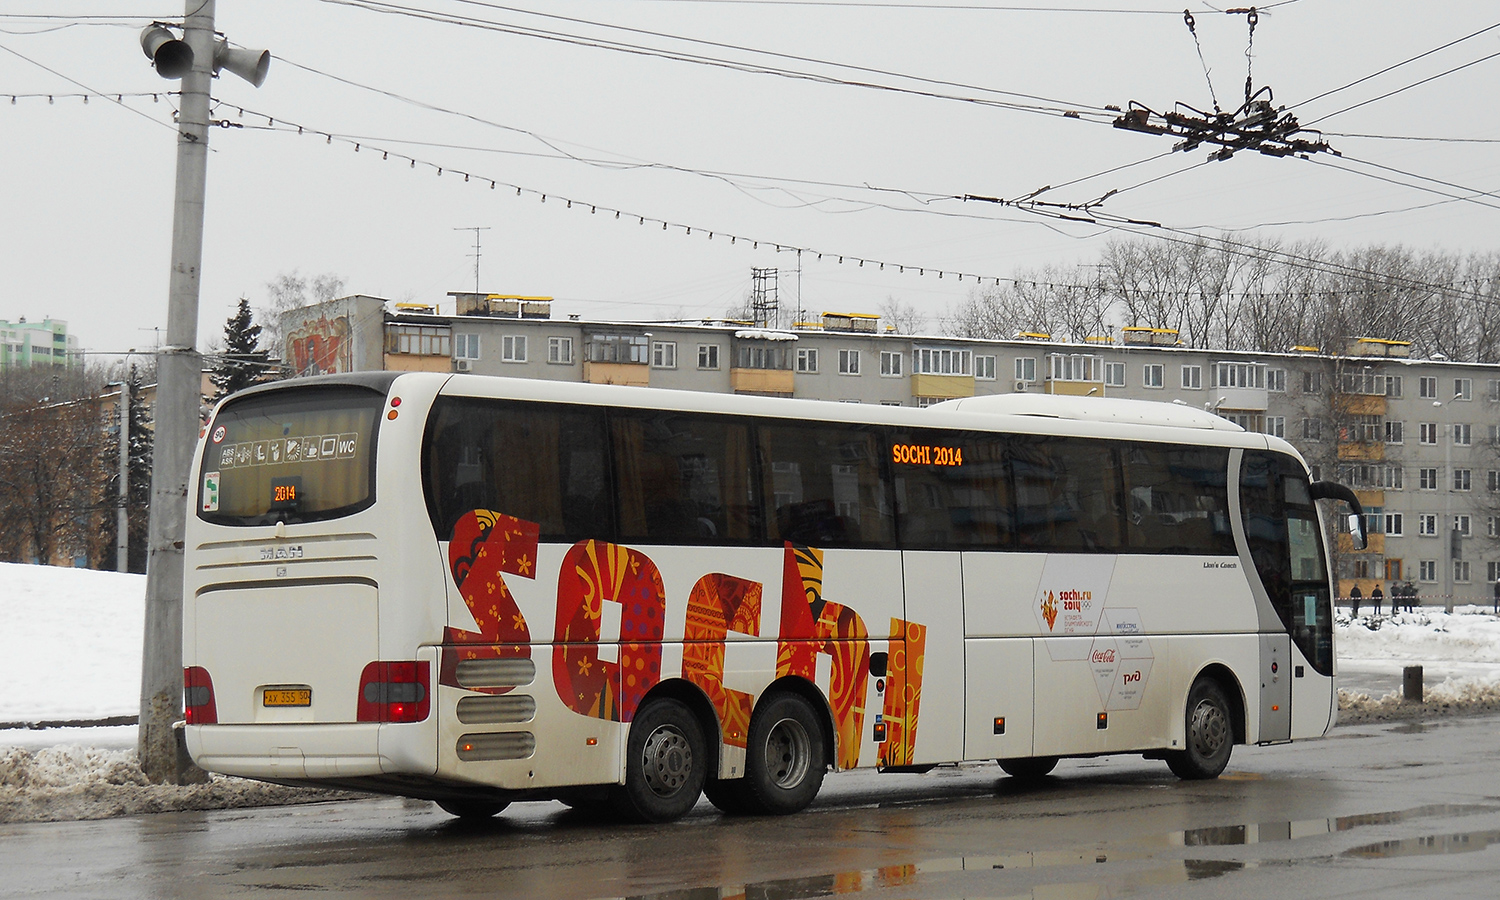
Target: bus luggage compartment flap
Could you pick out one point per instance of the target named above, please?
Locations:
(264, 645)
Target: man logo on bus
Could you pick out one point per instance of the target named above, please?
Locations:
(1049, 610)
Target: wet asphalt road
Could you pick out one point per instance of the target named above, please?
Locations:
(1394, 810)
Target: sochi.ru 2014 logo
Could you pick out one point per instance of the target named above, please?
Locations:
(1049, 610)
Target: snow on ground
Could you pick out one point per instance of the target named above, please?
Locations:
(70, 649)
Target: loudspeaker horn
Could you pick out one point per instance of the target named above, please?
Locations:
(250, 65)
(171, 56)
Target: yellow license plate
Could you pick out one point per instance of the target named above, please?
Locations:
(277, 697)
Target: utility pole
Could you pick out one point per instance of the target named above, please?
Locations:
(179, 369)
(476, 229)
(122, 515)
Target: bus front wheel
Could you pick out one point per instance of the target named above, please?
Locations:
(1028, 768)
(1210, 734)
(664, 763)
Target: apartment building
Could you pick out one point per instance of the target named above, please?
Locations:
(26, 344)
(1419, 439)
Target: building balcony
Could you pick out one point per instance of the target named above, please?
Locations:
(1360, 404)
(1368, 450)
(418, 362)
(1371, 499)
(947, 387)
(633, 374)
(761, 381)
(1256, 399)
(1074, 388)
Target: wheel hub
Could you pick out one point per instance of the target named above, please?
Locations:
(667, 761)
(1210, 729)
(788, 753)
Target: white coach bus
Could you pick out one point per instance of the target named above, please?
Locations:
(480, 590)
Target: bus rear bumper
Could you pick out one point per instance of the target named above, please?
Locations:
(282, 752)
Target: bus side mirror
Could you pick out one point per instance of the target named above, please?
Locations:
(1357, 531)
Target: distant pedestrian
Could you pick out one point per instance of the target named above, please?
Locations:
(1377, 597)
(1354, 597)
(1497, 598)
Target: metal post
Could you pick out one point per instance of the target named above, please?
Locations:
(179, 371)
(122, 514)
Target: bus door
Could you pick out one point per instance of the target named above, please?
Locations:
(1284, 542)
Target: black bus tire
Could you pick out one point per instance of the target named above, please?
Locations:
(728, 796)
(665, 761)
(1209, 734)
(784, 756)
(1028, 768)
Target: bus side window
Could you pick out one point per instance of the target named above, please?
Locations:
(1067, 495)
(683, 478)
(1177, 499)
(539, 463)
(959, 499)
(825, 485)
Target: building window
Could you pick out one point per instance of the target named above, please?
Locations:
(1495, 390)
(1463, 479)
(1312, 382)
(848, 362)
(1192, 378)
(939, 361)
(560, 350)
(1494, 435)
(1463, 434)
(1151, 376)
(984, 368)
(1362, 428)
(1395, 432)
(1393, 386)
(1461, 571)
(1427, 524)
(1492, 572)
(1312, 429)
(1026, 369)
(1239, 375)
(422, 340)
(1074, 367)
(1492, 524)
(1463, 525)
(708, 356)
(1276, 380)
(618, 348)
(1427, 570)
(1276, 426)
(890, 364)
(1492, 480)
(891, 403)
(1365, 382)
(513, 348)
(764, 355)
(1463, 389)
(1395, 526)
(924, 402)
(1427, 387)
(1427, 479)
(664, 355)
(466, 346)
(1393, 570)
(1429, 433)
(1114, 374)
(807, 359)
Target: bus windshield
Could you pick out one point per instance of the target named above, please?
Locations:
(290, 456)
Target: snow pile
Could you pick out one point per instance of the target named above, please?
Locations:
(1463, 694)
(1470, 634)
(71, 645)
(71, 782)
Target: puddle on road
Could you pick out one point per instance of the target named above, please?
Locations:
(1165, 873)
(1428, 845)
(1414, 728)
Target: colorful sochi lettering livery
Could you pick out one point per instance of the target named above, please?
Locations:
(491, 590)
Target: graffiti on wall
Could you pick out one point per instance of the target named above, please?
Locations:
(321, 346)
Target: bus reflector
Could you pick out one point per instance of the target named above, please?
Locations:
(496, 745)
(394, 692)
(198, 697)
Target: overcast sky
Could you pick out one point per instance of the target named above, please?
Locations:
(86, 189)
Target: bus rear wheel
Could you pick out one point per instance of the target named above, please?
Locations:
(664, 763)
(784, 757)
(473, 810)
(1210, 734)
(1028, 768)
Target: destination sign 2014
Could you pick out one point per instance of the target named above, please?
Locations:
(926, 455)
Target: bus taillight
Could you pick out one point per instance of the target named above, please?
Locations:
(394, 692)
(198, 697)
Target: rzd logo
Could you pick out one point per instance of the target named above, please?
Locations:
(1049, 610)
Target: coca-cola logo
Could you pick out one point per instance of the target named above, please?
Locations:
(1106, 656)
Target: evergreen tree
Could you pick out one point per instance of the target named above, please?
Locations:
(244, 362)
(138, 493)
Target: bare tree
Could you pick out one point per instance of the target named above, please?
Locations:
(289, 291)
(903, 318)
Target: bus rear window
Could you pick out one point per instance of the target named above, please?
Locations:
(290, 456)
